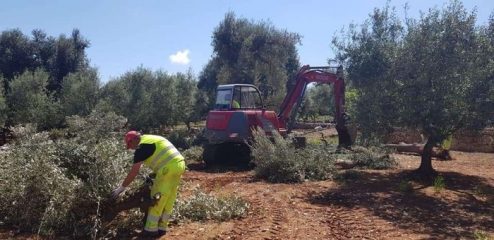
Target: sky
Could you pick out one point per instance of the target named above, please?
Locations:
(175, 35)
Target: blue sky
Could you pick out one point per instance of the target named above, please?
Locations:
(176, 35)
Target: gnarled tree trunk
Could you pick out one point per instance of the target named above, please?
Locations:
(425, 168)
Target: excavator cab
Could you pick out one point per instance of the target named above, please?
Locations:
(233, 97)
(237, 110)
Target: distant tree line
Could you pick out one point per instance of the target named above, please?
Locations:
(32, 73)
(45, 78)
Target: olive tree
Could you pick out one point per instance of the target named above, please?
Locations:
(185, 88)
(3, 107)
(29, 101)
(368, 52)
(79, 93)
(251, 52)
(435, 73)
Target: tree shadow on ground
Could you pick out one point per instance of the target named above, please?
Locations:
(454, 212)
(219, 168)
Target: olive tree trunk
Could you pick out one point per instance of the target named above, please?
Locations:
(425, 168)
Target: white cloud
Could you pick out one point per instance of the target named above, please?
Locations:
(181, 57)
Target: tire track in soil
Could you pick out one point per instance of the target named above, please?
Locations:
(355, 223)
(266, 220)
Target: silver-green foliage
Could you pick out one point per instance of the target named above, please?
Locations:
(433, 73)
(372, 158)
(149, 99)
(318, 162)
(246, 51)
(203, 206)
(79, 93)
(30, 103)
(193, 154)
(54, 186)
(277, 160)
(36, 194)
(3, 106)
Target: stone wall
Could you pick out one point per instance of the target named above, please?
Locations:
(474, 142)
(466, 141)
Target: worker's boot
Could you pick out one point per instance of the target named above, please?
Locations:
(150, 235)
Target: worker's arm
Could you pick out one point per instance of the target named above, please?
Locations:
(132, 174)
(130, 177)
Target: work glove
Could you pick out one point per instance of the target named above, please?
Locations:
(117, 191)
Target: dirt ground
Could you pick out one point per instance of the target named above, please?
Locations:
(370, 205)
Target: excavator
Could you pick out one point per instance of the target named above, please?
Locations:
(239, 109)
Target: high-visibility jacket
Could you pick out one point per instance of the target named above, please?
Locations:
(446, 144)
(164, 153)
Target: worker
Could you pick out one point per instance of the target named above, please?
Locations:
(446, 146)
(235, 104)
(168, 164)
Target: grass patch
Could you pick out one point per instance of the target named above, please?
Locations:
(405, 187)
(483, 190)
(439, 183)
(481, 235)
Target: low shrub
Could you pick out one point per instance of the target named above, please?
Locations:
(202, 206)
(318, 162)
(36, 194)
(277, 160)
(54, 186)
(372, 158)
(193, 154)
(183, 139)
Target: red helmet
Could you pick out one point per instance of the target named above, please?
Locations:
(129, 136)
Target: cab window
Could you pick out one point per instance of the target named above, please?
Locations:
(223, 99)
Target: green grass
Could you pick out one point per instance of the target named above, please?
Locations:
(405, 186)
(481, 235)
(439, 184)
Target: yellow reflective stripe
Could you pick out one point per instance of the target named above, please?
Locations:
(151, 223)
(160, 154)
(152, 219)
(170, 157)
(151, 229)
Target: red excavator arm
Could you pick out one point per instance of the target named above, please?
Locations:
(306, 75)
